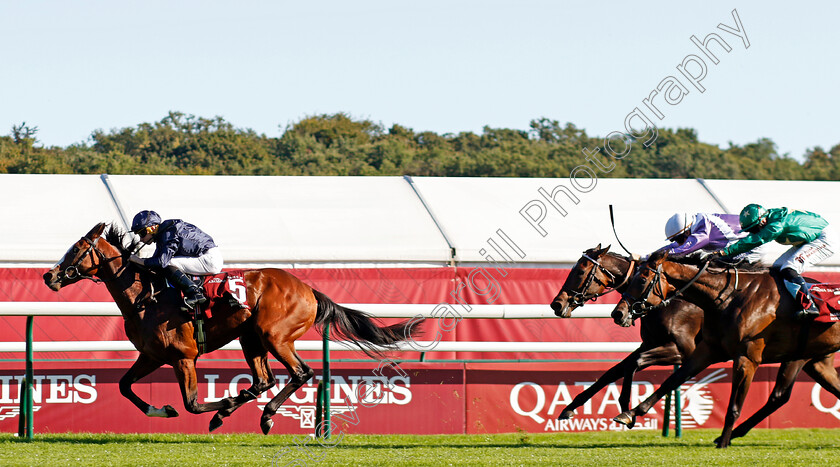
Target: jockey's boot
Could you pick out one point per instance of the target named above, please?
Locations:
(803, 298)
(193, 296)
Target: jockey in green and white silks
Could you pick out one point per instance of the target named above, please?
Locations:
(812, 241)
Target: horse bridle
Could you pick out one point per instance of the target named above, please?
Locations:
(72, 271)
(642, 306)
(579, 298)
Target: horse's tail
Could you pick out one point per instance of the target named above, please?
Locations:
(360, 328)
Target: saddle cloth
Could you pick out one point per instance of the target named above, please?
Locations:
(827, 298)
(221, 288)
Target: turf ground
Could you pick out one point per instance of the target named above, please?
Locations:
(759, 448)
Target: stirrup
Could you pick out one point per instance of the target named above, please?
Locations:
(195, 301)
(808, 312)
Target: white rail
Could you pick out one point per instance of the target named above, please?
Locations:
(420, 346)
(379, 310)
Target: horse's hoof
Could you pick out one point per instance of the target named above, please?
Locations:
(170, 411)
(625, 419)
(566, 415)
(266, 425)
(720, 444)
(215, 422)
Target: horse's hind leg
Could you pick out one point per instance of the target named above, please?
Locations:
(143, 366)
(300, 373)
(824, 373)
(778, 397)
(187, 379)
(257, 357)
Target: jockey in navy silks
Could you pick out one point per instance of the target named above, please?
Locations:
(181, 249)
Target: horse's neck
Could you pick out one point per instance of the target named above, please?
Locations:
(705, 290)
(120, 281)
(617, 265)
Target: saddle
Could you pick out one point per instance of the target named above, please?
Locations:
(827, 299)
(223, 291)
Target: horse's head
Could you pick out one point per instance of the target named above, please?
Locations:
(586, 281)
(647, 289)
(82, 261)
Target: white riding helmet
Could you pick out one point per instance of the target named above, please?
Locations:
(677, 224)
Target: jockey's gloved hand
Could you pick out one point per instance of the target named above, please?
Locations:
(713, 256)
(136, 260)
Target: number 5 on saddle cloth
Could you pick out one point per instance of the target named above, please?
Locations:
(223, 290)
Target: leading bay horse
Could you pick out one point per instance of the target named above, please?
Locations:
(747, 320)
(668, 336)
(283, 309)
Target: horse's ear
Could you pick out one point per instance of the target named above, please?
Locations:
(97, 230)
(597, 251)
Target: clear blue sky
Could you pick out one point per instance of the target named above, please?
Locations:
(444, 66)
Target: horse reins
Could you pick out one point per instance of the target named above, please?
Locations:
(640, 306)
(579, 298)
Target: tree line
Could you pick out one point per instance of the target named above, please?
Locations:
(338, 144)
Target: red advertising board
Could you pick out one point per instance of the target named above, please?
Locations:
(427, 398)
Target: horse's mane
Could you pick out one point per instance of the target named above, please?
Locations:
(618, 255)
(121, 240)
(743, 266)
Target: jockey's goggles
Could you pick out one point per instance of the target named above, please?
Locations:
(144, 230)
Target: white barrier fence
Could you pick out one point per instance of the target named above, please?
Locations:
(377, 310)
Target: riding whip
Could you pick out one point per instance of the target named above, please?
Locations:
(612, 221)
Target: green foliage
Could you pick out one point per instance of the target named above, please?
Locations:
(337, 144)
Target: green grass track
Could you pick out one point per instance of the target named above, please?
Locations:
(639, 448)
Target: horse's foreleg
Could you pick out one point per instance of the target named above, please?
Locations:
(743, 371)
(610, 376)
(778, 397)
(300, 374)
(187, 379)
(698, 362)
(142, 367)
(661, 355)
(261, 375)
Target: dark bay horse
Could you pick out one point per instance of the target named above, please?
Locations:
(283, 309)
(668, 336)
(746, 320)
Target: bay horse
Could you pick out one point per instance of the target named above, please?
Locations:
(283, 309)
(747, 320)
(668, 336)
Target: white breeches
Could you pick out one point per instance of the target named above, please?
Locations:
(800, 257)
(210, 262)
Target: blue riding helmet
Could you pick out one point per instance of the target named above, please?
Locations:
(145, 219)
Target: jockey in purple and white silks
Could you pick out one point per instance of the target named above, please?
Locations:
(706, 232)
